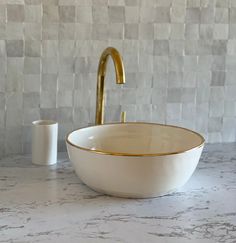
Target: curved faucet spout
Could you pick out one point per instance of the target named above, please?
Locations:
(120, 79)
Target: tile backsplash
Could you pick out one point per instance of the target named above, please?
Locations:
(179, 57)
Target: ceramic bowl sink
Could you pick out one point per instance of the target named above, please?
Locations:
(135, 160)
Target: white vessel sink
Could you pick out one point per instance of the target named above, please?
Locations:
(135, 160)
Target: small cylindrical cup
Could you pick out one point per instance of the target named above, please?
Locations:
(44, 142)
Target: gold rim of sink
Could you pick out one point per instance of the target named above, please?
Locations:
(135, 155)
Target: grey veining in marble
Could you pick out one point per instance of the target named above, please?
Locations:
(51, 204)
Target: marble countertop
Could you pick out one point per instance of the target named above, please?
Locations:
(51, 204)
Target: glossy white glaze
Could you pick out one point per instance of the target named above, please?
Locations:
(44, 142)
(134, 160)
(135, 138)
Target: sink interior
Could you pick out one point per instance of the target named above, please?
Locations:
(135, 139)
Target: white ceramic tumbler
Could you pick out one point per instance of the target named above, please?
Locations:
(44, 142)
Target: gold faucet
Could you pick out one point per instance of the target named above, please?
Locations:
(120, 79)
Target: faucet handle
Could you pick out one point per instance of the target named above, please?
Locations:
(123, 116)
